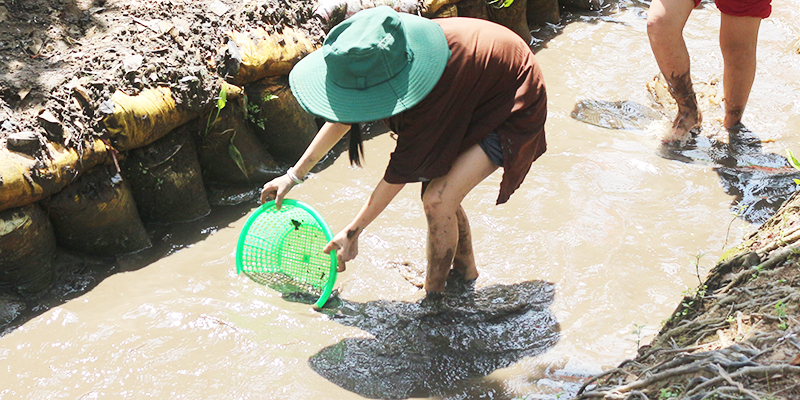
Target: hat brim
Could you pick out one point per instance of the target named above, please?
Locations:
(319, 96)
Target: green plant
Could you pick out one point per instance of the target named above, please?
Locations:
(500, 3)
(757, 270)
(780, 309)
(738, 214)
(637, 330)
(222, 99)
(252, 110)
(793, 161)
(236, 155)
(780, 312)
(667, 393)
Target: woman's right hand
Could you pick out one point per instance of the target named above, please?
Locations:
(346, 245)
(277, 189)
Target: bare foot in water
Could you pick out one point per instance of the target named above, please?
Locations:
(682, 127)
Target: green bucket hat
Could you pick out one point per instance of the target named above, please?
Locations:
(373, 65)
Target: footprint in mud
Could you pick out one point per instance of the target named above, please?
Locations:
(442, 347)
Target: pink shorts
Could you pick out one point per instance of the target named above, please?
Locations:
(743, 8)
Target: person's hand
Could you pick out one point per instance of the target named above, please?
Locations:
(277, 189)
(346, 245)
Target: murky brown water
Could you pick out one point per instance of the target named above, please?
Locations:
(602, 237)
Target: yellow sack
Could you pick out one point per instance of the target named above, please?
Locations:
(257, 54)
(140, 120)
(26, 179)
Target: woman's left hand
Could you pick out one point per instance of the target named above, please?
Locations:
(346, 245)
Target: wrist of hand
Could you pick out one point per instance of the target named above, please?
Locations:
(294, 177)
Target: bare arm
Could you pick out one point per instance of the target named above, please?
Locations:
(346, 241)
(323, 142)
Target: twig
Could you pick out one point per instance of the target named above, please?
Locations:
(747, 371)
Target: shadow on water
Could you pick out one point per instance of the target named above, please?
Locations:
(443, 347)
(760, 182)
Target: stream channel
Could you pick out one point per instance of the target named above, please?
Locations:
(580, 267)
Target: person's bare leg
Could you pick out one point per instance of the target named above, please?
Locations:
(441, 201)
(665, 22)
(738, 37)
(464, 260)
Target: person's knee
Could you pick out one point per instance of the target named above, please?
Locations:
(659, 26)
(436, 207)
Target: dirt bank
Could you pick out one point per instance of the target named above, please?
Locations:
(734, 337)
(50, 48)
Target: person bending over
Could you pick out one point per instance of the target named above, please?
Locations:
(464, 96)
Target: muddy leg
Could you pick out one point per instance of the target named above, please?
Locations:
(738, 37)
(464, 260)
(441, 201)
(665, 22)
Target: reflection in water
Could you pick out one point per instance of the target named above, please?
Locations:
(760, 181)
(427, 348)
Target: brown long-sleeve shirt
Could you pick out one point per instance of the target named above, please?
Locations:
(491, 82)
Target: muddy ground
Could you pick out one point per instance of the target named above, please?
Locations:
(734, 337)
(48, 48)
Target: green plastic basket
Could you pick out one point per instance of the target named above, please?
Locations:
(278, 244)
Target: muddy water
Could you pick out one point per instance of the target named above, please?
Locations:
(581, 265)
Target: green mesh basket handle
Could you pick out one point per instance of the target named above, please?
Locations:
(289, 242)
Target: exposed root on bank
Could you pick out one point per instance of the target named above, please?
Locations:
(736, 338)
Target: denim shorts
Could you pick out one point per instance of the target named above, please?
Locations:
(491, 146)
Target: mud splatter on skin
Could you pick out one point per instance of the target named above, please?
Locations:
(733, 117)
(464, 254)
(688, 118)
(353, 232)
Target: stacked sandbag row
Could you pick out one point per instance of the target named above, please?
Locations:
(154, 168)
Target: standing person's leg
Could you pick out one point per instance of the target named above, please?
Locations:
(738, 37)
(442, 201)
(665, 22)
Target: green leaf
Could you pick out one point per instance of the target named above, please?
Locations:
(793, 161)
(222, 99)
(500, 3)
(236, 155)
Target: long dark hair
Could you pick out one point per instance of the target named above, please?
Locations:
(355, 150)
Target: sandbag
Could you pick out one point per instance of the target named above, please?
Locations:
(278, 120)
(432, 8)
(585, 5)
(230, 153)
(255, 54)
(97, 215)
(332, 12)
(136, 121)
(513, 16)
(25, 179)
(166, 180)
(139, 120)
(542, 12)
(27, 249)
